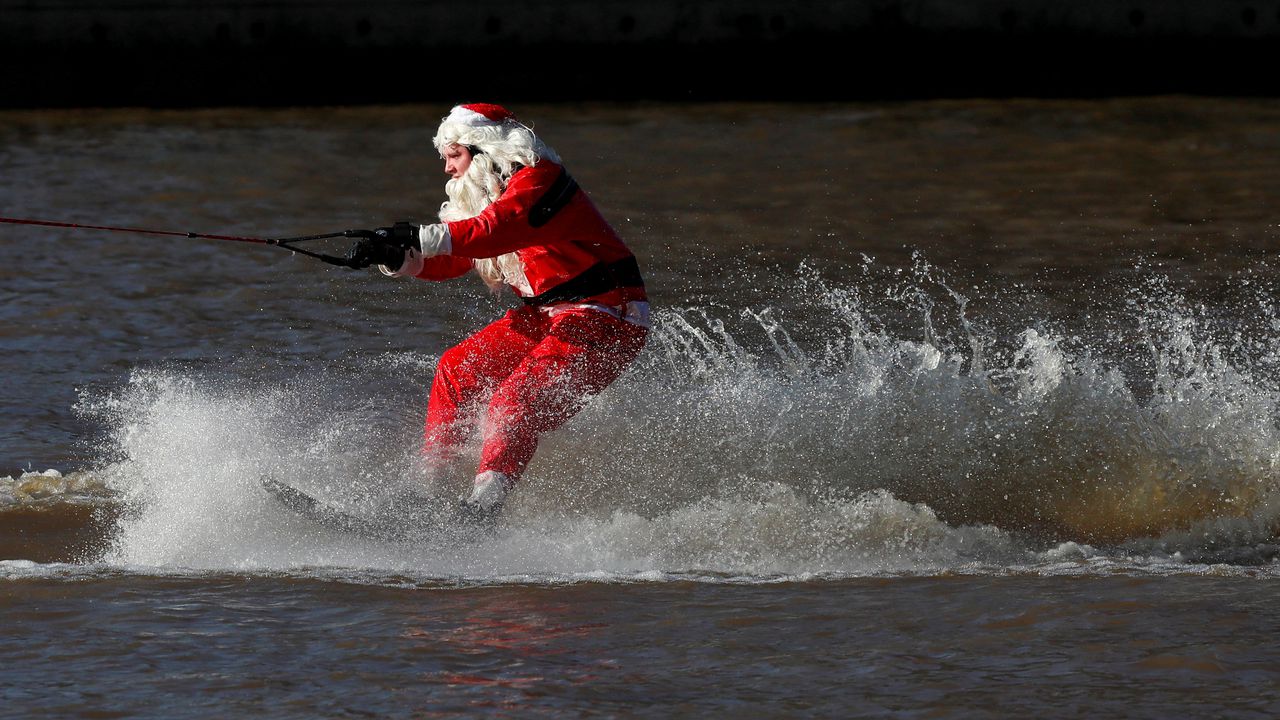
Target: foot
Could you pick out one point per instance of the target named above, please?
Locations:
(484, 505)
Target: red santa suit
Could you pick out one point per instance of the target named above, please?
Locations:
(584, 321)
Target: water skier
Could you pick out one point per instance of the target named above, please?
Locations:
(518, 219)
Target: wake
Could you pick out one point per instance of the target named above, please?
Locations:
(884, 427)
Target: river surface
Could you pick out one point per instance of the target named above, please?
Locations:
(951, 409)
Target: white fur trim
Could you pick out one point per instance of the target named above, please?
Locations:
(489, 490)
(517, 279)
(411, 266)
(470, 118)
(635, 312)
(435, 240)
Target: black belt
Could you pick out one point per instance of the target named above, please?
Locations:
(595, 280)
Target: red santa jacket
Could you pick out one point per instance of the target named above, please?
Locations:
(572, 244)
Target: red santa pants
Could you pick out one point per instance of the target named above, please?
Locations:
(537, 371)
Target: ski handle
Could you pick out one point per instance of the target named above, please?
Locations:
(288, 244)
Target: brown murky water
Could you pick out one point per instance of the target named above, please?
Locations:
(952, 409)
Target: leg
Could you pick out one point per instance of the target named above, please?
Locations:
(584, 352)
(469, 371)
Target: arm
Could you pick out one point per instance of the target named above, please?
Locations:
(502, 227)
(440, 267)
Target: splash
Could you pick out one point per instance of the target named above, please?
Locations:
(1165, 423)
(884, 426)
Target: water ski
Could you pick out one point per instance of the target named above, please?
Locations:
(410, 520)
(332, 518)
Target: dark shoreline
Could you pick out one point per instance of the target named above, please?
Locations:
(167, 53)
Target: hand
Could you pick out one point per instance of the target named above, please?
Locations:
(375, 251)
(402, 235)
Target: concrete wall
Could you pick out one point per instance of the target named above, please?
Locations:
(174, 52)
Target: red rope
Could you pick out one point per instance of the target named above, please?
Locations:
(50, 223)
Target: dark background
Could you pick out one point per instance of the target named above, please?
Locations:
(177, 53)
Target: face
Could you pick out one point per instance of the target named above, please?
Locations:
(456, 160)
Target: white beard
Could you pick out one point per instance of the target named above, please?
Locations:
(468, 196)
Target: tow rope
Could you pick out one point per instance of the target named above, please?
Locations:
(286, 243)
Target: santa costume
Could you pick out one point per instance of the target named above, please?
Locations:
(520, 220)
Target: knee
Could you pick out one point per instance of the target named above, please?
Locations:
(505, 410)
(510, 414)
(518, 411)
(451, 359)
(452, 367)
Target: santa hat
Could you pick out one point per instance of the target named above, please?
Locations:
(492, 129)
(477, 115)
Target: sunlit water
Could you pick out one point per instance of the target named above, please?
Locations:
(950, 409)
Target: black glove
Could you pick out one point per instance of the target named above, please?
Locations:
(375, 251)
(384, 246)
(402, 235)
